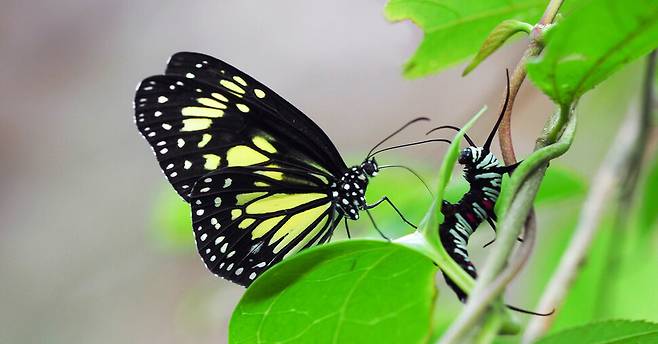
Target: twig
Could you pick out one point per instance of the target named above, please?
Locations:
(610, 176)
(518, 76)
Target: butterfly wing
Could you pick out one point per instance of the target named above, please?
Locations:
(218, 73)
(256, 171)
(204, 115)
(248, 218)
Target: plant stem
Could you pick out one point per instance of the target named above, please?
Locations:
(518, 76)
(616, 167)
(489, 330)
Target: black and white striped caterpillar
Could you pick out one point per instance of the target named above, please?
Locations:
(484, 174)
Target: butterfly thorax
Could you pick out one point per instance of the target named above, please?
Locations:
(349, 191)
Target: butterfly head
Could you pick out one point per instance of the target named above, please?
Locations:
(370, 167)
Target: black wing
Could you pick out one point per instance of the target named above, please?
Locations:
(248, 218)
(204, 115)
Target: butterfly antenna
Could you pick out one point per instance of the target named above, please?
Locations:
(470, 142)
(412, 172)
(395, 133)
(521, 310)
(407, 145)
(487, 144)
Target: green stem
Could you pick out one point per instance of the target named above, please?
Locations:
(559, 125)
(489, 329)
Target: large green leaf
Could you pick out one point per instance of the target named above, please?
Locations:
(357, 291)
(615, 331)
(593, 42)
(455, 29)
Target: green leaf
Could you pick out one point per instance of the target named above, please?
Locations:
(614, 331)
(357, 291)
(499, 35)
(455, 29)
(560, 183)
(648, 216)
(593, 42)
(171, 223)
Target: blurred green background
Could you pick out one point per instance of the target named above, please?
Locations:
(95, 247)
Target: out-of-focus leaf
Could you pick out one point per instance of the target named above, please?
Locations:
(560, 183)
(171, 223)
(581, 305)
(357, 291)
(455, 29)
(607, 332)
(634, 288)
(498, 36)
(593, 42)
(648, 216)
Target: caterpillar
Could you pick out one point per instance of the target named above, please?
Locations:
(484, 173)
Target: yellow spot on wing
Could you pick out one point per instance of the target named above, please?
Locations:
(261, 184)
(265, 227)
(232, 86)
(321, 177)
(246, 223)
(204, 140)
(307, 237)
(244, 156)
(272, 174)
(242, 107)
(235, 213)
(295, 226)
(246, 197)
(211, 103)
(197, 111)
(263, 144)
(240, 80)
(194, 124)
(212, 161)
(259, 93)
(281, 201)
(220, 97)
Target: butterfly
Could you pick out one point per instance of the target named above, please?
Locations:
(262, 179)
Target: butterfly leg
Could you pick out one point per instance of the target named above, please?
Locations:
(387, 200)
(347, 229)
(509, 169)
(493, 225)
(375, 225)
